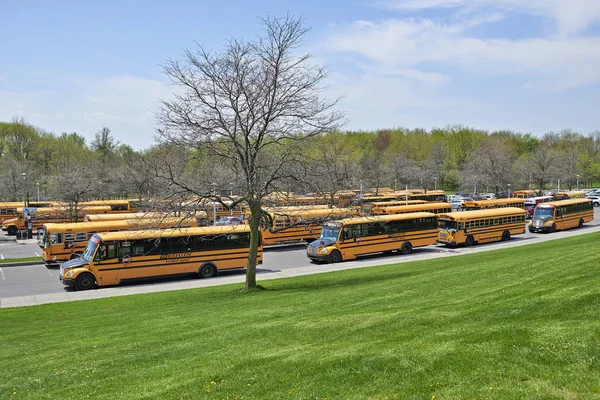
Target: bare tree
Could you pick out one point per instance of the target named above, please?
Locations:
(490, 166)
(251, 106)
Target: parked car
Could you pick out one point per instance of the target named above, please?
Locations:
(595, 200)
(229, 221)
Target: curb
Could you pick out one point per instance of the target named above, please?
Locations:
(21, 263)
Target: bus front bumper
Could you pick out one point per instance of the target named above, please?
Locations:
(317, 257)
(446, 242)
(67, 282)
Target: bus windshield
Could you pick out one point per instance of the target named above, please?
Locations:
(90, 250)
(544, 212)
(41, 238)
(447, 225)
(330, 233)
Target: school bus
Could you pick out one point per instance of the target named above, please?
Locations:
(480, 226)
(573, 194)
(375, 206)
(525, 194)
(201, 216)
(431, 196)
(492, 203)
(8, 210)
(65, 241)
(562, 214)
(113, 257)
(436, 208)
(349, 238)
(301, 225)
(116, 206)
(45, 215)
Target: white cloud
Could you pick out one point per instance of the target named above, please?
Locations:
(570, 16)
(409, 43)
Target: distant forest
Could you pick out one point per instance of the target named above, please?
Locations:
(66, 167)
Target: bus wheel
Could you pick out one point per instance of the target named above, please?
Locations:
(580, 223)
(12, 230)
(406, 248)
(470, 241)
(531, 230)
(505, 235)
(208, 271)
(553, 228)
(85, 281)
(334, 257)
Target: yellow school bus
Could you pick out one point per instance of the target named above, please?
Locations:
(45, 215)
(526, 193)
(376, 206)
(301, 225)
(492, 203)
(8, 210)
(436, 208)
(201, 216)
(573, 194)
(348, 238)
(431, 196)
(116, 206)
(62, 242)
(562, 214)
(481, 226)
(113, 257)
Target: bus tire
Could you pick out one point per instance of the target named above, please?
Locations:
(505, 236)
(85, 281)
(470, 241)
(553, 228)
(12, 230)
(531, 230)
(334, 257)
(406, 248)
(580, 224)
(207, 271)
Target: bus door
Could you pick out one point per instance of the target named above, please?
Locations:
(106, 264)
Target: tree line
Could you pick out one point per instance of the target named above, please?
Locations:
(65, 167)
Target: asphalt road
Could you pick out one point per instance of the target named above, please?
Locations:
(34, 280)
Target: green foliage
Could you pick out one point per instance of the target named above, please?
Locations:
(518, 323)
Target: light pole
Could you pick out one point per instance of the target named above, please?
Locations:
(25, 195)
(577, 182)
(508, 190)
(360, 187)
(530, 181)
(231, 185)
(434, 183)
(38, 190)
(395, 184)
(214, 185)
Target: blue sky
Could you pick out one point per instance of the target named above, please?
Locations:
(529, 66)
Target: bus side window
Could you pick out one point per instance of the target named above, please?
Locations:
(111, 250)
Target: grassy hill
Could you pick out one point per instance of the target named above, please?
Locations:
(519, 323)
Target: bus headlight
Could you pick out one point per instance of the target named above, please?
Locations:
(324, 251)
(70, 273)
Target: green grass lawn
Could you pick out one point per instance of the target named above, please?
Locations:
(12, 260)
(522, 323)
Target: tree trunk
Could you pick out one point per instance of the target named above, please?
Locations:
(255, 216)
